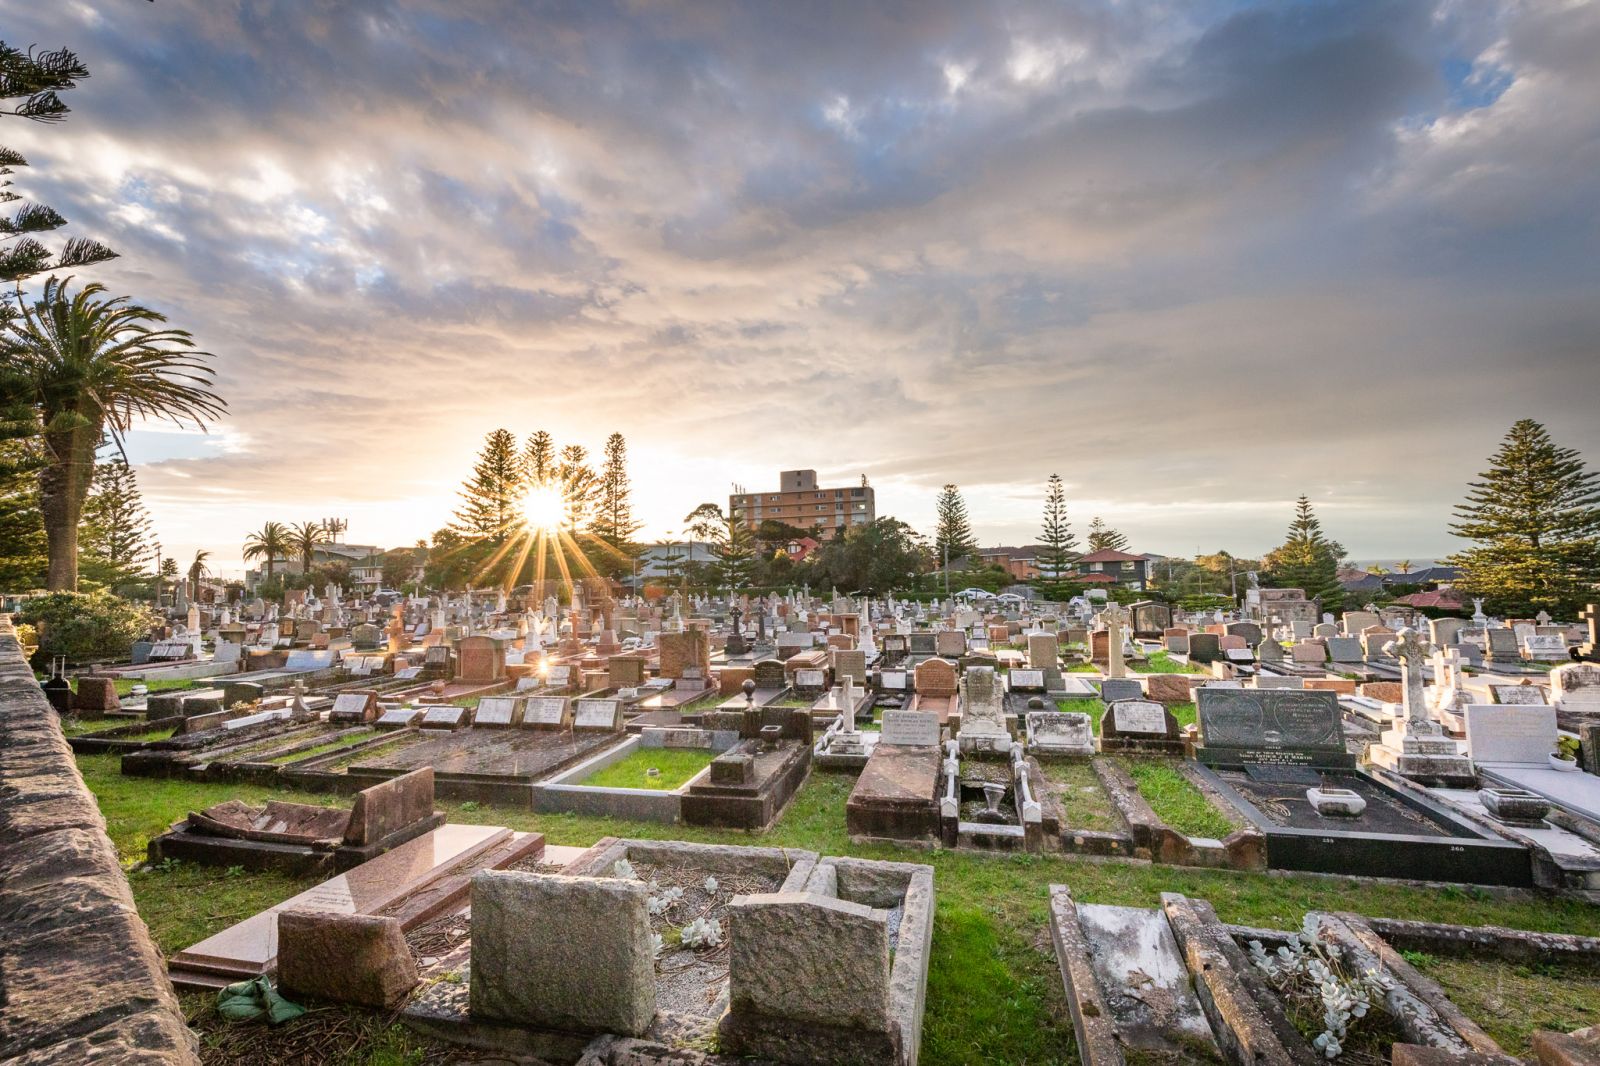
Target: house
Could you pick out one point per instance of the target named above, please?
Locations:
(1020, 563)
(1109, 567)
(1446, 600)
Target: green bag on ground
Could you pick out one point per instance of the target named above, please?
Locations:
(250, 1001)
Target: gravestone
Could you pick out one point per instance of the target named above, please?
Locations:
(935, 678)
(480, 659)
(1026, 680)
(1150, 619)
(913, 729)
(851, 663)
(950, 643)
(983, 716)
(1059, 733)
(1510, 735)
(1518, 695)
(597, 714)
(545, 712)
(1356, 621)
(1442, 632)
(1269, 650)
(1575, 687)
(1168, 688)
(1502, 645)
(495, 711)
(1205, 648)
(1310, 652)
(354, 707)
(1250, 631)
(923, 644)
(1241, 726)
(1324, 630)
(1120, 688)
(1345, 650)
(893, 680)
(443, 716)
(1176, 641)
(569, 953)
(1545, 648)
(1141, 726)
(1269, 681)
(1044, 653)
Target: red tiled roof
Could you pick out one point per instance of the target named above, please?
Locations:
(1445, 601)
(1094, 579)
(1107, 555)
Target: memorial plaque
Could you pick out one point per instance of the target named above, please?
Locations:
(495, 711)
(560, 676)
(1113, 689)
(893, 680)
(1256, 725)
(917, 729)
(1069, 733)
(597, 714)
(923, 644)
(1138, 716)
(1520, 695)
(397, 717)
(809, 679)
(1027, 680)
(545, 711)
(1239, 655)
(443, 716)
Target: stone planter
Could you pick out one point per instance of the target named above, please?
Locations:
(1558, 763)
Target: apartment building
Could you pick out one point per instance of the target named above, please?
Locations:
(801, 503)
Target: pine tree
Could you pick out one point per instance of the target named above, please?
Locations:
(490, 496)
(1060, 546)
(1307, 559)
(540, 457)
(953, 537)
(1103, 538)
(580, 488)
(23, 557)
(613, 521)
(1535, 519)
(735, 553)
(115, 536)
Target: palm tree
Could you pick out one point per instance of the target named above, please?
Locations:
(92, 366)
(270, 542)
(306, 538)
(1404, 566)
(198, 570)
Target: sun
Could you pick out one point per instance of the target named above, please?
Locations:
(543, 508)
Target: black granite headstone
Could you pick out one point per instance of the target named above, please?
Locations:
(1288, 726)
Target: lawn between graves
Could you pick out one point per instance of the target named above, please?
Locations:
(994, 993)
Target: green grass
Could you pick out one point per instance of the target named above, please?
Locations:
(1175, 798)
(1090, 706)
(1511, 1000)
(1082, 668)
(125, 685)
(323, 749)
(994, 995)
(1085, 804)
(677, 765)
(1162, 663)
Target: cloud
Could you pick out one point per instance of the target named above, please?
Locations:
(1196, 258)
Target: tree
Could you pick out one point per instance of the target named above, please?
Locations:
(397, 566)
(704, 522)
(613, 520)
(84, 626)
(198, 571)
(953, 537)
(875, 558)
(23, 557)
(115, 538)
(539, 458)
(735, 553)
(579, 486)
(491, 496)
(1307, 559)
(92, 366)
(30, 87)
(1534, 518)
(305, 538)
(271, 542)
(1103, 538)
(1060, 547)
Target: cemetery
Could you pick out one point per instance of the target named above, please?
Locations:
(1130, 780)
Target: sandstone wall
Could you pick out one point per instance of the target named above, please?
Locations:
(80, 979)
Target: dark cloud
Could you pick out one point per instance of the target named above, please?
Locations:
(1196, 258)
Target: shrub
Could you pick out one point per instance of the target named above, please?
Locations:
(84, 626)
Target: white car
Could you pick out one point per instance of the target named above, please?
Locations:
(975, 594)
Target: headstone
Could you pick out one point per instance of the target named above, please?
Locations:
(1168, 688)
(1266, 726)
(1043, 651)
(597, 714)
(915, 729)
(354, 707)
(1120, 688)
(1510, 735)
(545, 712)
(443, 716)
(1545, 648)
(1205, 648)
(1502, 645)
(935, 678)
(496, 711)
(1059, 733)
(1518, 695)
(1139, 716)
(569, 953)
(1345, 650)
(360, 959)
(1576, 687)
(1026, 680)
(983, 716)
(1443, 632)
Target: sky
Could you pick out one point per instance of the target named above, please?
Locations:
(1197, 258)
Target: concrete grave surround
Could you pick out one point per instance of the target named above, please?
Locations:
(567, 953)
(362, 959)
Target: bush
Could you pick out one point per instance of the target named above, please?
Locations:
(84, 626)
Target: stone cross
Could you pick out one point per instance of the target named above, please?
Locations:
(1115, 617)
(1409, 647)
